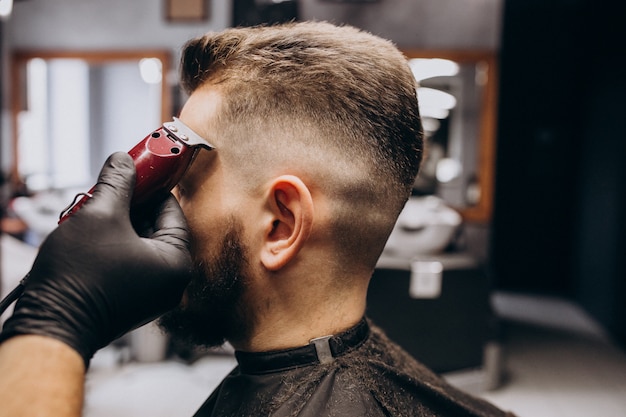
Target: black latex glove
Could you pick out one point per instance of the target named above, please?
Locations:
(94, 278)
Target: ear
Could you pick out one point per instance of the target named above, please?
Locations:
(289, 226)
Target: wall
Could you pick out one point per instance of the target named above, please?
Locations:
(600, 245)
(560, 215)
(432, 24)
(95, 24)
(539, 142)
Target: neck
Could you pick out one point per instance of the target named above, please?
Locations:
(283, 320)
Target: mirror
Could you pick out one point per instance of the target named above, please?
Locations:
(73, 109)
(457, 93)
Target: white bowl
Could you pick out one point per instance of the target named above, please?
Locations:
(425, 226)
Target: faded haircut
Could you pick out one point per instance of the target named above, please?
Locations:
(339, 101)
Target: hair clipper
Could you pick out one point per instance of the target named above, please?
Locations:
(161, 160)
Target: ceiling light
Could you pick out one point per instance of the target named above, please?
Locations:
(435, 103)
(432, 97)
(5, 8)
(151, 70)
(424, 68)
(448, 169)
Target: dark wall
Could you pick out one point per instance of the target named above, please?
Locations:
(560, 214)
(600, 253)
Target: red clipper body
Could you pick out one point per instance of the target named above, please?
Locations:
(161, 160)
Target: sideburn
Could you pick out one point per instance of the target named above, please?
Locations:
(213, 311)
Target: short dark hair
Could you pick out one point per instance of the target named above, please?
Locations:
(353, 89)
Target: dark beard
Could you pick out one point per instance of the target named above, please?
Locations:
(212, 313)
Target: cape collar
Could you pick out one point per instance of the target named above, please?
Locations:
(319, 350)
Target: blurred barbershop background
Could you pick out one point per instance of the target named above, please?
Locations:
(506, 272)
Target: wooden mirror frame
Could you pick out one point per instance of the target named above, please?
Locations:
(482, 211)
(19, 58)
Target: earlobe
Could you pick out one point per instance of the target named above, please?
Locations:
(291, 206)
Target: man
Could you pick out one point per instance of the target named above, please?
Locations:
(317, 144)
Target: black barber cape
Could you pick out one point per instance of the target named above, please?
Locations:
(357, 373)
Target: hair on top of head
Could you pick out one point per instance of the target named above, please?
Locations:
(331, 90)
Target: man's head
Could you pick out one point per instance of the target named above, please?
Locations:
(318, 142)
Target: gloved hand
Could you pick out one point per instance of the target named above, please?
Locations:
(95, 278)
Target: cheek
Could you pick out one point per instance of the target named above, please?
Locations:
(201, 236)
(207, 233)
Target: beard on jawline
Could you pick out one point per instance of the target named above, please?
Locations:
(213, 310)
